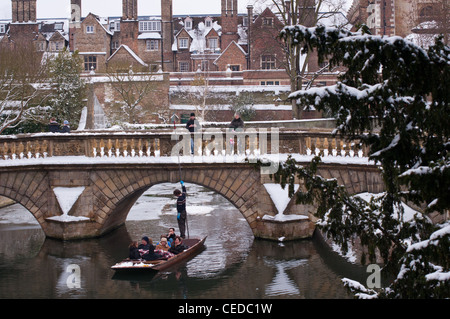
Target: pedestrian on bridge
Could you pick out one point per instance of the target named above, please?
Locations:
(181, 209)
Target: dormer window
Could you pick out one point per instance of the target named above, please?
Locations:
(188, 23)
(183, 43)
(208, 22)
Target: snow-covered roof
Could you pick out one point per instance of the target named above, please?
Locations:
(149, 35)
(131, 52)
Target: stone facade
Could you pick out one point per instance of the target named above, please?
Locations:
(110, 190)
(400, 17)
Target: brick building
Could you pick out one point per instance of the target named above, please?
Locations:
(405, 18)
(230, 48)
(48, 35)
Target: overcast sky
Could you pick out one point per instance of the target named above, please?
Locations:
(61, 8)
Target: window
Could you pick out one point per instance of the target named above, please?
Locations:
(183, 43)
(235, 67)
(212, 43)
(89, 29)
(268, 22)
(90, 62)
(115, 45)
(208, 22)
(184, 66)
(41, 46)
(152, 45)
(268, 62)
(270, 82)
(2, 28)
(188, 24)
(149, 26)
(57, 46)
(204, 66)
(59, 26)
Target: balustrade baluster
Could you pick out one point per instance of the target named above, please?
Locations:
(325, 146)
(102, 148)
(308, 145)
(117, 148)
(157, 148)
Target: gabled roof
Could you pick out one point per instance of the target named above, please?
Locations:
(131, 53)
(96, 18)
(232, 43)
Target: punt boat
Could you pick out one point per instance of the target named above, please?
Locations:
(195, 246)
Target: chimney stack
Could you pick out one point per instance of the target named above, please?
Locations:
(23, 11)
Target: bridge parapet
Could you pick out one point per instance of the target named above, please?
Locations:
(210, 142)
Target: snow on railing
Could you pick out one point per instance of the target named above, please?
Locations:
(19, 150)
(161, 144)
(330, 146)
(125, 148)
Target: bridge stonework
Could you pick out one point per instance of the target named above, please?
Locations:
(110, 190)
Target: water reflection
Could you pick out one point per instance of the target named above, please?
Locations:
(233, 265)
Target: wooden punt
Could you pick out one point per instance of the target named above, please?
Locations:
(195, 245)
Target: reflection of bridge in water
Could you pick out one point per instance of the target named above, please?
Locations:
(83, 185)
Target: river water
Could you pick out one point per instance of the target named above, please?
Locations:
(233, 265)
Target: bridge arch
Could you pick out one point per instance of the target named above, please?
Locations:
(28, 189)
(116, 191)
(107, 191)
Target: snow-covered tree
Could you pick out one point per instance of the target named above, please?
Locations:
(23, 89)
(394, 98)
(66, 101)
(132, 84)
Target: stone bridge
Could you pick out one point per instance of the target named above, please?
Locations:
(81, 195)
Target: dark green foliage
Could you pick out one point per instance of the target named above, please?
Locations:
(393, 97)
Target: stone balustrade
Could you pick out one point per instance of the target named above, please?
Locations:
(215, 142)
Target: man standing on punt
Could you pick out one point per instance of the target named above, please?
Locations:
(181, 209)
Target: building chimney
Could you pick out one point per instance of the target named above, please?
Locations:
(249, 35)
(75, 6)
(167, 56)
(229, 22)
(129, 25)
(129, 10)
(23, 10)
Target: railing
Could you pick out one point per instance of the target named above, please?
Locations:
(155, 144)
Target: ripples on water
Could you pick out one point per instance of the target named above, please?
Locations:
(234, 264)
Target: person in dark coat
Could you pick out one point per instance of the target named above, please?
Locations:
(134, 251)
(237, 122)
(178, 246)
(147, 250)
(66, 127)
(181, 209)
(193, 126)
(53, 126)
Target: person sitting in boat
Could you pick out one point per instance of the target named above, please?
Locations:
(178, 247)
(150, 253)
(171, 235)
(134, 251)
(144, 246)
(163, 244)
